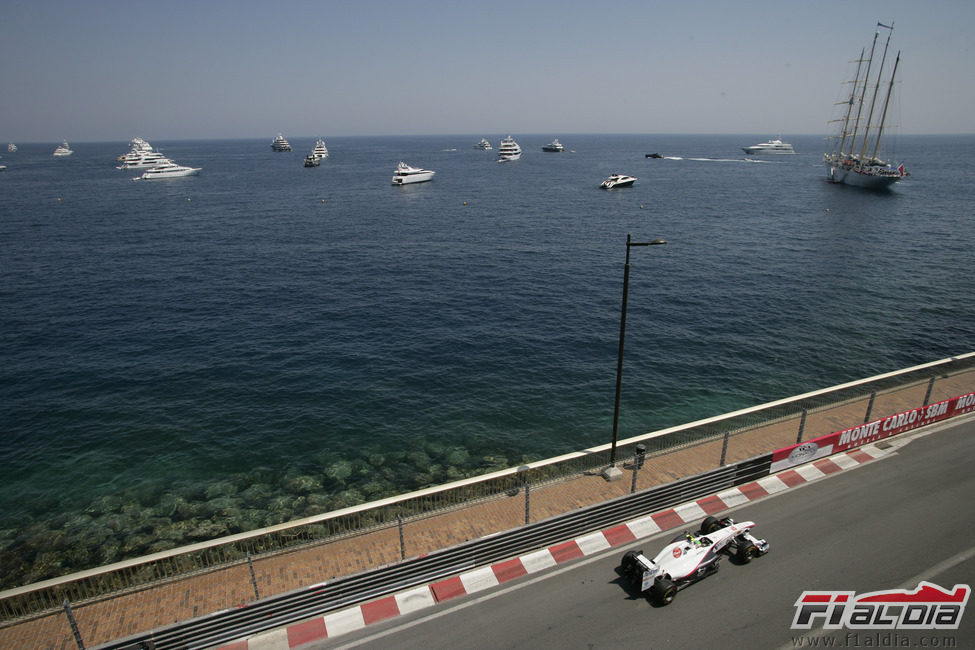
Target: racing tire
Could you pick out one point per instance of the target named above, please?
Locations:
(663, 592)
(628, 563)
(709, 525)
(746, 551)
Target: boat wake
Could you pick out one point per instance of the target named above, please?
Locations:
(721, 160)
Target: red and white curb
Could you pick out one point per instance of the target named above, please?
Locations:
(423, 597)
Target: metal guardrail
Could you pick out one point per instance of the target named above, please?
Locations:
(279, 611)
(88, 586)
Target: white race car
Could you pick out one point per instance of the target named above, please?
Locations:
(688, 558)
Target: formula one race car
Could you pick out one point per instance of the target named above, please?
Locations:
(688, 558)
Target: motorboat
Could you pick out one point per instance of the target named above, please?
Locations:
(280, 144)
(509, 150)
(617, 180)
(554, 146)
(772, 146)
(483, 144)
(311, 160)
(653, 155)
(405, 174)
(63, 150)
(168, 170)
(320, 151)
(855, 156)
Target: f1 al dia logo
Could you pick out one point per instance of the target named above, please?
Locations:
(929, 607)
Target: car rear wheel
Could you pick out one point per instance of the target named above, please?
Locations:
(629, 563)
(663, 592)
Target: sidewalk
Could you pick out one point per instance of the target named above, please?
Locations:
(183, 599)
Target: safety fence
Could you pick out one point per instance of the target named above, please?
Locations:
(735, 437)
(228, 625)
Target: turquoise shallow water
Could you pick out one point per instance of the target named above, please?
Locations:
(184, 359)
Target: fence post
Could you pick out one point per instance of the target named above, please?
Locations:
(927, 395)
(639, 456)
(402, 542)
(250, 563)
(528, 489)
(74, 625)
(866, 418)
(802, 426)
(724, 448)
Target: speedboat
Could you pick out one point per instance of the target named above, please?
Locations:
(509, 150)
(168, 170)
(311, 160)
(63, 150)
(617, 180)
(772, 146)
(653, 155)
(320, 151)
(280, 144)
(405, 174)
(554, 146)
(483, 144)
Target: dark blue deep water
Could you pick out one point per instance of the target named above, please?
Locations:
(199, 356)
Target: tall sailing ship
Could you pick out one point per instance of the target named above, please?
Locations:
(855, 157)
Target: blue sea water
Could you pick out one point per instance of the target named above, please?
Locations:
(265, 341)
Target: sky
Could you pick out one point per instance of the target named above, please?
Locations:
(107, 70)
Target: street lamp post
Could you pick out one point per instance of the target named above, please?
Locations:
(613, 473)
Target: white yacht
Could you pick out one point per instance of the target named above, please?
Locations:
(63, 150)
(143, 160)
(311, 160)
(617, 180)
(509, 150)
(405, 174)
(483, 144)
(11, 147)
(168, 170)
(320, 151)
(772, 146)
(280, 144)
(554, 146)
(141, 156)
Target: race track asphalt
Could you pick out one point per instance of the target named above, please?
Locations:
(888, 524)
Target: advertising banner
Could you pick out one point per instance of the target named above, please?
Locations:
(868, 432)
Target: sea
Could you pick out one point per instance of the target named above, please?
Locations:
(200, 356)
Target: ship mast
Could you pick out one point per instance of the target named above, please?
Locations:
(883, 118)
(849, 105)
(866, 79)
(876, 89)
